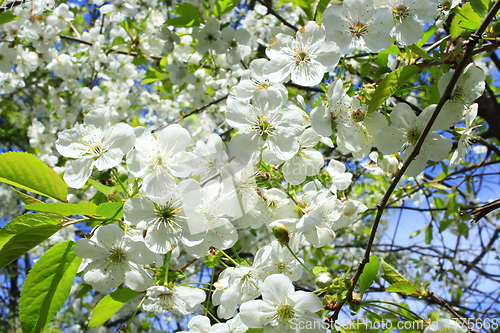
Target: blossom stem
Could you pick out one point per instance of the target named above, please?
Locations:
(209, 293)
(300, 261)
(120, 182)
(395, 304)
(167, 259)
(135, 312)
(211, 315)
(229, 258)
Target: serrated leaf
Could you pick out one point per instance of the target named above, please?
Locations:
(420, 52)
(110, 210)
(47, 286)
(224, 6)
(390, 84)
(26, 171)
(466, 13)
(188, 16)
(65, 209)
(428, 234)
(27, 200)
(470, 25)
(24, 241)
(390, 274)
(427, 35)
(7, 17)
(110, 304)
(402, 287)
(369, 274)
(479, 7)
(22, 223)
(437, 185)
(106, 190)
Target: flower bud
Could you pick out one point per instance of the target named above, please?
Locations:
(324, 280)
(280, 232)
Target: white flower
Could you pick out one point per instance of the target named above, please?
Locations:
(247, 87)
(465, 138)
(183, 300)
(234, 38)
(201, 324)
(95, 143)
(404, 134)
(281, 261)
(357, 24)
(164, 221)
(409, 17)
(445, 326)
(116, 259)
(469, 87)
(212, 157)
(306, 162)
(119, 9)
(209, 37)
(305, 58)
(340, 180)
(159, 159)
(264, 121)
(282, 308)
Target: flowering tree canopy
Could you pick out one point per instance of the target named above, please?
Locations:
(249, 166)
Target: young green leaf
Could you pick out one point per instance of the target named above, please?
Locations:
(402, 287)
(65, 209)
(7, 17)
(47, 286)
(390, 274)
(224, 6)
(26, 171)
(110, 304)
(369, 274)
(23, 223)
(110, 210)
(390, 84)
(24, 241)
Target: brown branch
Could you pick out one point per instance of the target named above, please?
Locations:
(471, 43)
(449, 308)
(278, 16)
(480, 212)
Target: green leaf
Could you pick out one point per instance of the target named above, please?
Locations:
(463, 229)
(420, 52)
(188, 16)
(24, 241)
(445, 224)
(390, 274)
(23, 223)
(106, 190)
(110, 304)
(428, 234)
(118, 41)
(47, 286)
(65, 209)
(466, 13)
(224, 6)
(26, 171)
(479, 7)
(402, 287)
(7, 17)
(110, 210)
(28, 200)
(427, 35)
(470, 25)
(390, 84)
(369, 274)
(322, 4)
(437, 185)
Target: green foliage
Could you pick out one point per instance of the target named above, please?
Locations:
(23, 223)
(110, 304)
(369, 274)
(25, 240)
(47, 286)
(110, 210)
(464, 19)
(65, 209)
(7, 17)
(390, 274)
(187, 16)
(28, 172)
(305, 5)
(390, 84)
(224, 6)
